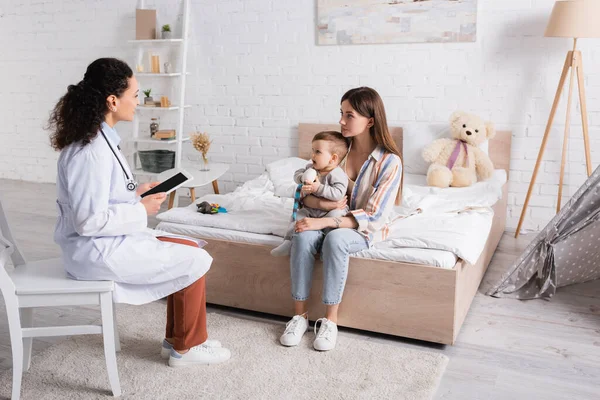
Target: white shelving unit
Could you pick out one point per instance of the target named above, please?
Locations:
(156, 41)
(161, 75)
(171, 108)
(145, 80)
(155, 141)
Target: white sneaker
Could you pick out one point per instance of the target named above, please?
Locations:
(199, 355)
(327, 335)
(294, 330)
(283, 249)
(165, 351)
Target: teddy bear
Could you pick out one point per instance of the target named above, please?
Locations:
(458, 161)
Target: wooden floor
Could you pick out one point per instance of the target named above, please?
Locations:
(507, 349)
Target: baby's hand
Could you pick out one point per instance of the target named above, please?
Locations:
(309, 188)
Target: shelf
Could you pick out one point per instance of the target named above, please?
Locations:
(157, 41)
(161, 74)
(161, 108)
(155, 141)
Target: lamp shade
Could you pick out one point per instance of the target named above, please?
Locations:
(574, 19)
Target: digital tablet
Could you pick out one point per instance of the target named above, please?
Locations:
(170, 184)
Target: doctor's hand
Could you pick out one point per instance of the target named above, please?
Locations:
(152, 203)
(144, 187)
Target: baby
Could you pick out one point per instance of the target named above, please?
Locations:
(324, 178)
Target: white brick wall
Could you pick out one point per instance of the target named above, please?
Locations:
(257, 73)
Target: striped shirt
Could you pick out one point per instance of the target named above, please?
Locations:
(373, 195)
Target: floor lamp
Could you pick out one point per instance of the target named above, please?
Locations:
(573, 19)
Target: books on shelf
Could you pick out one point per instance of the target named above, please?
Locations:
(145, 24)
(166, 134)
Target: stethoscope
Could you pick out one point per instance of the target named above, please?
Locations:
(131, 184)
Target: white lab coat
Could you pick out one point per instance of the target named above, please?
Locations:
(102, 228)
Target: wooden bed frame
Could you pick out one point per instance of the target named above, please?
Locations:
(403, 299)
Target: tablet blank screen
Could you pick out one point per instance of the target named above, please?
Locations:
(166, 185)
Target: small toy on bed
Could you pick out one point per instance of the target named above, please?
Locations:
(458, 161)
(210, 208)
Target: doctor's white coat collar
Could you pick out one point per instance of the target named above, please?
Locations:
(111, 134)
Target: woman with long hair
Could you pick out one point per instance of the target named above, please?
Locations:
(374, 168)
(102, 222)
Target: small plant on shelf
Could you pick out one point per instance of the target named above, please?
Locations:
(148, 101)
(166, 31)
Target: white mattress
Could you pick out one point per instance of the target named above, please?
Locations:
(437, 258)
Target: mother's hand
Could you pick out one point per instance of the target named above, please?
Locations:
(311, 224)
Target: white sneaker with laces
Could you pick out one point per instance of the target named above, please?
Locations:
(327, 335)
(165, 351)
(294, 330)
(199, 355)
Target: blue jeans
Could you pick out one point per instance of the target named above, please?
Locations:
(335, 248)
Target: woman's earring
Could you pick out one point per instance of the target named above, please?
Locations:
(113, 109)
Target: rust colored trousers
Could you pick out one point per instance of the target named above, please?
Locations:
(186, 311)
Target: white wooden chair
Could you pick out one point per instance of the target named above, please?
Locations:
(42, 284)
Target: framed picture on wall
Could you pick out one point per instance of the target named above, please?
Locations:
(395, 21)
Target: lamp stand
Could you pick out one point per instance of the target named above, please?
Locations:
(573, 64)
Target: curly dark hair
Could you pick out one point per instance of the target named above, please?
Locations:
(79, 113)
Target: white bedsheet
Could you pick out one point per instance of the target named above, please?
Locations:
(457, 220)
(417, 195)
(437, 258)
(252, 207)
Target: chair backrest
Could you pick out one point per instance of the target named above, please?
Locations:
(6, 234)
(7, 287)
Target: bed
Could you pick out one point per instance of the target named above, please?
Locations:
(425, 301)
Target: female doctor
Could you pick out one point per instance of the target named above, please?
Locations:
(102, 221)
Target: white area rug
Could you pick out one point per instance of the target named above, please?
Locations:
(260, 368)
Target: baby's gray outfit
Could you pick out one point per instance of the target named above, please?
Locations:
(333, 187)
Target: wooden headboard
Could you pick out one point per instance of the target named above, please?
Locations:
(499, 150)
(499, 146)
(307, 131)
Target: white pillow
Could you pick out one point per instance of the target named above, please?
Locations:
(413, 145)
(281, 173)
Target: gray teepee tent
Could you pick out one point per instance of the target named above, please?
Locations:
(567, 251)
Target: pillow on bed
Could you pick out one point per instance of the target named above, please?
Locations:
(413, 145)
(281, 173)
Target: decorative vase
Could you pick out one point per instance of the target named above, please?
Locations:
(204, 166)
(154, 125)
(166, 34)
(148, 101)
